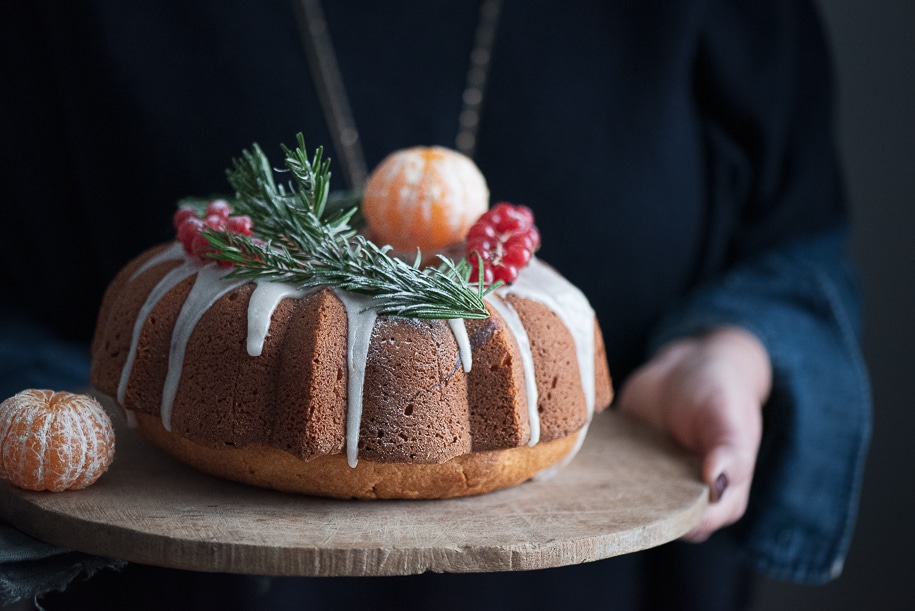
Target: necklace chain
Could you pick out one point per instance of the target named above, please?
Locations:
(325, 71)
(477, 76)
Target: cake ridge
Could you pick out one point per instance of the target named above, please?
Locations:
(263, 302)
(209, 285)
(168, 282)
(541, 283)
(516, 328)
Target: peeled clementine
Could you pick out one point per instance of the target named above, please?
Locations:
(424, 197)
(54, 440)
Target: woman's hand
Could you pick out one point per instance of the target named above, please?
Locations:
(707, 392)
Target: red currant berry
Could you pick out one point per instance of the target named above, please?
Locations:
(481, 231)
(476, 256)
(240, 224)
(524, 215)
(214, 221)
(505, 239)
(511, 220)
(519, 240)
(534, 236)
(477, 260)
(482, 245)
(492, 216)
(200, 245)
(184, 212)
(219, 207)
(189, 228)
(518, 256)
(506, 273)
(488, 277)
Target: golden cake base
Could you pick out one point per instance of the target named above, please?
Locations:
(331, 476)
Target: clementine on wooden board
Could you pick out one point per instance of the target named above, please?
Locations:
(54, 440)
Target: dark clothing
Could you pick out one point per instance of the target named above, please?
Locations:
(675, 577)
(658, 143)
(679, 158)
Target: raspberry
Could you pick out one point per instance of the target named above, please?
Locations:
(504, 239)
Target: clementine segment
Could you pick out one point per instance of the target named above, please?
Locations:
(424, 197)
(54, 440)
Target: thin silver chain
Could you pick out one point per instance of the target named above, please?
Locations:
(325, 71)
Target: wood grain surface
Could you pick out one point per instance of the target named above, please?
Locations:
(628, 489)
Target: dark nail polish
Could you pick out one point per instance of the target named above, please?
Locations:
(721, 484)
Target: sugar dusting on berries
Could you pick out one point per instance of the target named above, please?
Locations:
(189, 225)
(503, 239)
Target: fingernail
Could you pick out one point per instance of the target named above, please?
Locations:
(721, 484)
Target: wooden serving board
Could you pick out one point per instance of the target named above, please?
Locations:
(628, 489)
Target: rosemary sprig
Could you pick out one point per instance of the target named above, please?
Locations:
(299, 241)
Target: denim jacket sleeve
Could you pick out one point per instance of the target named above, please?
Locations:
(802, 302)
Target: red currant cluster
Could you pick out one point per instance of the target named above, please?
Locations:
(218, 216)
(505, 239)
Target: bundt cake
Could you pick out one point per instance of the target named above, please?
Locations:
(226, 357)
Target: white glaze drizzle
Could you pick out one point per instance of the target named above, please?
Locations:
(541, 283)
(264, 300)
(360, 322)
(175, 252)
(537, 282)
(459, 329)
(513, 321)
(168, 282)
(208, 287)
